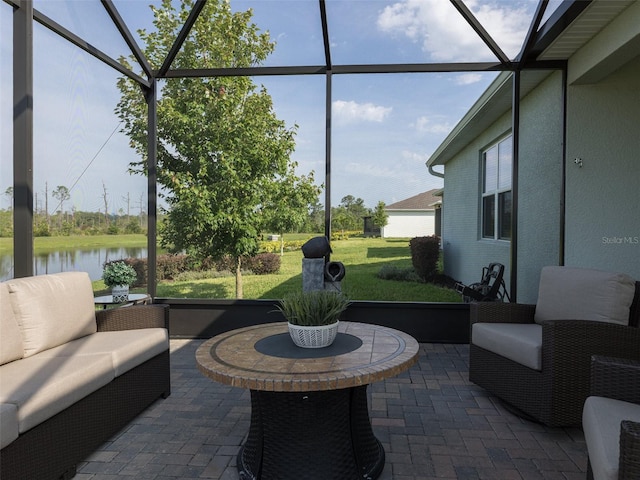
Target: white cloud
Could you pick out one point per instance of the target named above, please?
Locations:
(468, 78)
(352, 112)
(415, 157)
(446, 36)
(428, 125)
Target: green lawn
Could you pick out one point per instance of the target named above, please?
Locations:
(362, 258)
(51, 244)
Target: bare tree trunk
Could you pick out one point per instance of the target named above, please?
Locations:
(239, 277)
(106, 204)
(46, 202)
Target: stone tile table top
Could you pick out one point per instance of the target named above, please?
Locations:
(369, 353)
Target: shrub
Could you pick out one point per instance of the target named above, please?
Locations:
(140, 266)
(425, 252)
(42, 230)
(170, 265)
(263, 263)
(392, 272)
(133, 227)
(225, 264)
(274, 247)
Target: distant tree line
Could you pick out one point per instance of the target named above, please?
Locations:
(347, 216)
(65, 222)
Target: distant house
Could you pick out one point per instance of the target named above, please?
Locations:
(415, 216)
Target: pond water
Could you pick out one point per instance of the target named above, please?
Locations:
(89, 260)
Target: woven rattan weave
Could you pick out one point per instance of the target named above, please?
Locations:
(556, 394)
(619, 379)
(52, 449)
(309, 413)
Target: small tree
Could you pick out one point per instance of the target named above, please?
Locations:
(61, 193)
(220, 145)
(380, 216)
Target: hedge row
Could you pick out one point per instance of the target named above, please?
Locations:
(168, 267)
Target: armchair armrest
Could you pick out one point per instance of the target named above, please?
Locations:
(616, 378)
(498, 312)
(133, 317)
(629, 450)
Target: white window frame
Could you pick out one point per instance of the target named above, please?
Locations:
(501, 183)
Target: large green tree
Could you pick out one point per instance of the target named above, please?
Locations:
(220, 145)
(349, 214)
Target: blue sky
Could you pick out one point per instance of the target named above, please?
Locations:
(385, 125)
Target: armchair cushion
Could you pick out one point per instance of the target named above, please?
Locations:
(601, 421)
(520, 342)
(585, 294)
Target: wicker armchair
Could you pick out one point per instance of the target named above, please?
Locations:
(606, 421)
(555, 391)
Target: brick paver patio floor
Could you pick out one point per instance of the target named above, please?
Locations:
(432, 422)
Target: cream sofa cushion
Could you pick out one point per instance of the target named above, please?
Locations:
(53, 309)
(11, 347)
(127, 348)
(601, 418)
(567, 293)
(8, 424)
(43, 386)
(520, 342)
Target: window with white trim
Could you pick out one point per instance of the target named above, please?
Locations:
(496, 190)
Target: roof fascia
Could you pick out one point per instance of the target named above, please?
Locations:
(531, 34)
(497, 87)
(126, 35)
(561, 18)
(500, 90)
(87, 47)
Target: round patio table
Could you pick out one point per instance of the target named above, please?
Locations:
(309, 412)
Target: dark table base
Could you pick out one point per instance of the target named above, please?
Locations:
(312, 435)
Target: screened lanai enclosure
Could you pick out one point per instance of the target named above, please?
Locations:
(368, 100)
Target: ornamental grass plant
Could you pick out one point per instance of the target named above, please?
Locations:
(313, 308)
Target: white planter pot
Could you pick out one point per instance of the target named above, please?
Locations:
(120, 293)
(313, 337)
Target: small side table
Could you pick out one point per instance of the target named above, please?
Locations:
(134, 299)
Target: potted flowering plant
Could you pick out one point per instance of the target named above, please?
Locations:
(313, 316)
(119, 276)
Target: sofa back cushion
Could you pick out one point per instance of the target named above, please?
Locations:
(11, 347)
(52, 309)
(567, 293)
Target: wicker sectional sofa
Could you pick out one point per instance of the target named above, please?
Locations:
(71, 376)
